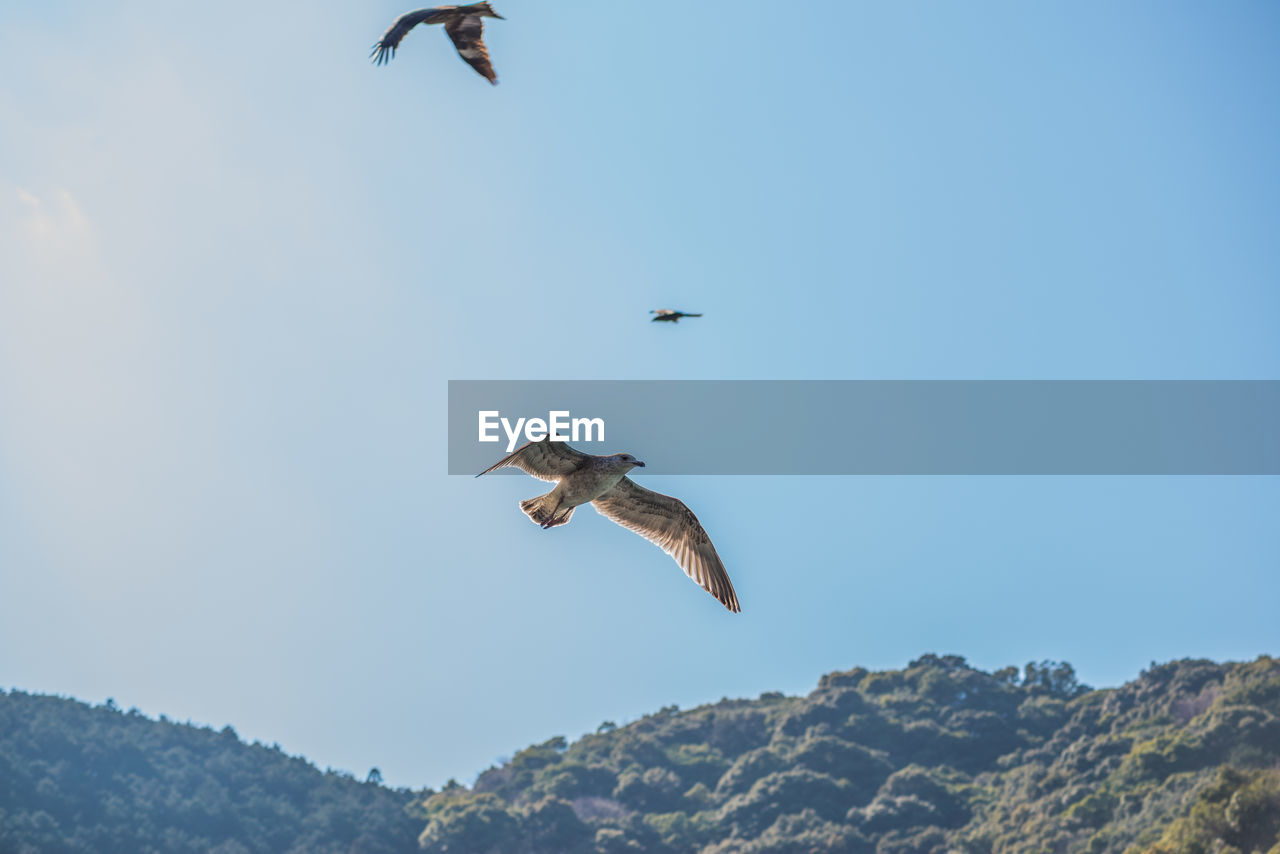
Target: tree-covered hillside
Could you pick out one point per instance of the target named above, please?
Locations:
(95, 780)
(938, 757)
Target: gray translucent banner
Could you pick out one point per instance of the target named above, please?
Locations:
(889, 427)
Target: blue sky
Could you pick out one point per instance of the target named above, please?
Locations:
(239, 264)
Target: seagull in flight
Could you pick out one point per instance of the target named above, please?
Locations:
(463, 24)
(670, 315)
(602, 481)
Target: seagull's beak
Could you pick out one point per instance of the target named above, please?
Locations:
(640, 464)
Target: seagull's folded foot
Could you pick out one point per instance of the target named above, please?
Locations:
(556, 518)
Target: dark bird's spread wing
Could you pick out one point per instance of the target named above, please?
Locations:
(671, 315)
(385, 49)
(545, 460)
(669, 524)
(467, 35)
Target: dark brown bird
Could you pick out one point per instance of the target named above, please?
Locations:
(670, 315)
(463, 24)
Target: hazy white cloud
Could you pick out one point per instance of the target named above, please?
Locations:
(37, 227)
(65, 327)
(60, 217)
(152, 244)
(87, 433)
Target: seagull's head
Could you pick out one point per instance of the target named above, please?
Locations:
(626, 462)
(484, 10)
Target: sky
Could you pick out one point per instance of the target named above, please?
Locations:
(239, 265)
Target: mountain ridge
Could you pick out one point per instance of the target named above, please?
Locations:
(935, 757)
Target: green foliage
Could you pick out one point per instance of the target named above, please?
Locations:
(569, 780)
(649, 790)
(1238, 811)
(1055, 678)
(683, 831)
(748, 768)
(460, 820)
(76, 778)
(698, 762)
(786, 793)
(551, 825)
(801, 833)
(936, 757)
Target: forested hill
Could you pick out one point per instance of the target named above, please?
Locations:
(95, 780)
(938, 757)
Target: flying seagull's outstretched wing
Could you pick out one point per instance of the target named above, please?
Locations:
(545, 460)
(669, 524)
(385, 49)
(467, 34)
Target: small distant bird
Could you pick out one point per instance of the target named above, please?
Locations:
(670, 315)
(602, 480)
(463, 24)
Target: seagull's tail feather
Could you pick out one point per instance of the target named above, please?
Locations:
(543, 511)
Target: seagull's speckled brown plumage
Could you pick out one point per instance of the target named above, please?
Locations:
(601, 481)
